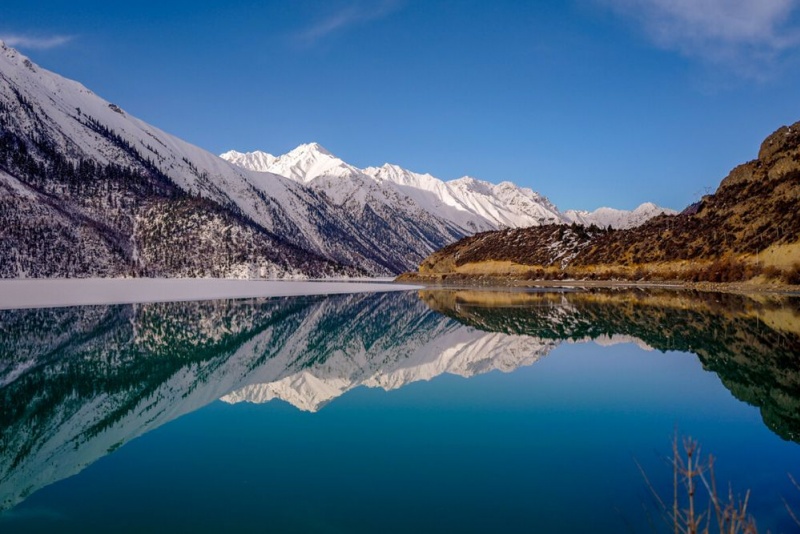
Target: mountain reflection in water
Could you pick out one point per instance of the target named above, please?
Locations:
(752, 345)
(77, 383)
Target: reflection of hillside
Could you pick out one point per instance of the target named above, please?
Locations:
(752, 345)
(76, 383)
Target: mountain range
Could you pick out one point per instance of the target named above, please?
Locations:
(89, 190)
(468, 204)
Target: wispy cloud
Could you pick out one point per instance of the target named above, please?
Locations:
(348, 17)
(35, 42)
(745, 36)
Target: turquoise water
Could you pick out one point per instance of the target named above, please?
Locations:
(432, 412)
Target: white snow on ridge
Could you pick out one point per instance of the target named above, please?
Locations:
(469, 204)
(256, 161)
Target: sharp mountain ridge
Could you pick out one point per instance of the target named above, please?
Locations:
(468, 204)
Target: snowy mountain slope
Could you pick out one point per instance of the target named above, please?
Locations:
(469, 205)
(505, 204)
(380, 207)
(432, 195)
(61, 120)
(486, 206)
(466, 204)
(149, 364)
(40, 237)
(60, 125)
(619, 219)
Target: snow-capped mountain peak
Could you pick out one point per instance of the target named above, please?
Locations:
(312, 149)
(645, 207)
(310, 161)
(302, 164)
(467, 203)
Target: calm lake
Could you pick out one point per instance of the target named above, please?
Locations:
(419, 411)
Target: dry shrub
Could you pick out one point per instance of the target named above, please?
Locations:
(720, 271)
(697, 506)
(792, 276)
(772, 273)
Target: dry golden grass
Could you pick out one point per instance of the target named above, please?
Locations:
(488, 298)
(777, 267)
(780, 256)
(492, 267)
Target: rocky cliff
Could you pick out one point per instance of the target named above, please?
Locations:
(748, 229)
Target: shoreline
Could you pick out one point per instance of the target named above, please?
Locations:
(22, 293)
(26, 293)
(490, 282)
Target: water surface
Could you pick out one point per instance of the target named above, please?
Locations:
(425, 411)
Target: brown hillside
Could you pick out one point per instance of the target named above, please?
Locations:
(750, 227)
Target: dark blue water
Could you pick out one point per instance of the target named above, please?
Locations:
(500, 416)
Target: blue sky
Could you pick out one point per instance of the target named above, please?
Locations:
(590, 102)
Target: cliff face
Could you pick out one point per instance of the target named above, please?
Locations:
(748, 227)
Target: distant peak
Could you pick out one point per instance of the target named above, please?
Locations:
(311, 148)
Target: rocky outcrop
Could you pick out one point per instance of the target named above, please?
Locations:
(747, 228)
